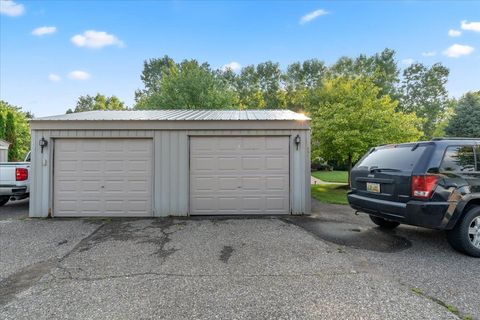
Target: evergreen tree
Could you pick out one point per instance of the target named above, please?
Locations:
(10, 136)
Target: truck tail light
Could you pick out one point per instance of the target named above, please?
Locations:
(424, 186)
(21, 174)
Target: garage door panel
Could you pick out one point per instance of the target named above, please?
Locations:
(89, 186)
(204, 183)
(225, 163)
(276, 183)
(236, 176)
(114, 166)
(276, 145)
(253, 203)
(228, 183)
(253, 143)
(68, 165)
(228, 203)
(138, 186)
(204, 203)
(252, 163)
(226, 145)
(276, 163)
(204, 163)
(89, 182)
(252, 183)
(92, 166)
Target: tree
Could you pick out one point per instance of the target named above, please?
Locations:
(300, 79)
(248, 89)
(154, 70)
(381, 68)
(270, 82)
(99, 102)
(11, 136)
(466, 119)
(15, 130)
(2, 126)
(445, 118)
(423, 92)
(349, 117)
(188, 85)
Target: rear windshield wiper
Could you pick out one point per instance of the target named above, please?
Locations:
(374, 169)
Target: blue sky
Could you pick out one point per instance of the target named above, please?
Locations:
(51, 52)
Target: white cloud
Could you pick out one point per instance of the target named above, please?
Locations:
(79, 75)
(472, 26)
(313, 15)
(234, 66)
(429, 53)
(96, 39)
(408, 61)
(458, 50)
(10, 8)
(54, 77)
(40, 31)
(454, 33)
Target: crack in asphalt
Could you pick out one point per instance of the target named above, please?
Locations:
(180, 275)
(31, 274)
(118, 230)
(452, 309)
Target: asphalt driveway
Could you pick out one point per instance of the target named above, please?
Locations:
(329, 265)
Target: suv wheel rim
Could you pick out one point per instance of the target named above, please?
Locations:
(474, 232)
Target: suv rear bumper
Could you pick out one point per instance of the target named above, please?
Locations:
(418, 213)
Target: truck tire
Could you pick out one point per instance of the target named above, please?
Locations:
(465, 237)
(4, 200)
(384, 223)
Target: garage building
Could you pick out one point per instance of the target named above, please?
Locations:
(170, 163)
(4, 145)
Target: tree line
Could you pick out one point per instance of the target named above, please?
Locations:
(355, 103)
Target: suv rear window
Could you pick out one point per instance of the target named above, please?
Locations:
(458, 159)
(401, 158)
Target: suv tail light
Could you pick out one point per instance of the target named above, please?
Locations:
(21, 174)
(424, 186)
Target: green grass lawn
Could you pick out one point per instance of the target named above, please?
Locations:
(331, 176)
(330, 193)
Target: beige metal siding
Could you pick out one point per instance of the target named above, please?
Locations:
(239, 175)
(103, 177)
(3, 155)
(171, 165)
(171, 173)
(300, 173)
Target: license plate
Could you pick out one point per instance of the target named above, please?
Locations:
(373, 187)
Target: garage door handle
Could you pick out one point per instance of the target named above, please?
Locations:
(103, 187)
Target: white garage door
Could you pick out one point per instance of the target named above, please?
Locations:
(103, 177)
(239, 175)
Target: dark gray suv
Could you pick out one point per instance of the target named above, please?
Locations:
(433, 184)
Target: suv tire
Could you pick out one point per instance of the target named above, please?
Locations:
(384, 223)
(4, 200)
(465, 237)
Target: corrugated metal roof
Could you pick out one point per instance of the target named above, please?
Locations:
(178, 115)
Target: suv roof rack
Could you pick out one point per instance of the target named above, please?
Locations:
(453, 138)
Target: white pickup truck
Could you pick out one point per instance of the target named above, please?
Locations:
(14, 180)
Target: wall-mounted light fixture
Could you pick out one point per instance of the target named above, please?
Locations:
(43, 143)
(297, 140)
